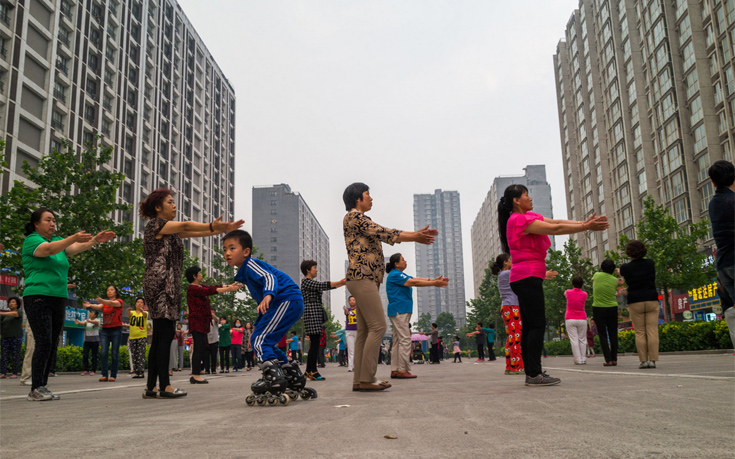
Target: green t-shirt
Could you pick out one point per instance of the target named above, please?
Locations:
(224, 335)
(44, 275)
(604, 286)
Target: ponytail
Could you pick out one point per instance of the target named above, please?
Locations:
(497, 265)
(395, 258)
(505, 208)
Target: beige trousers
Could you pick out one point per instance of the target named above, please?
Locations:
(371, 328)
(28, 359)
(400, 356)
(644, 316)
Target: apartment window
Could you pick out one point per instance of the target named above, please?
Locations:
(106, 127)
(688, 53)
(89, 113)
(57, 120)
(672, 131)
(677, 184)
(669, 105)
(703, 163)
(700, 141)
(696, 110)
(726, 151)
(642, 183)
(685, 30)
(723, 122)
(274, 248)
(692, 83)
(273, 230)
(627, 217)
(729, 84)
(91, 87)
(681, 210)
(707, 191)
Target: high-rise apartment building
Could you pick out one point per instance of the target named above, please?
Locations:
(136, 74)
(484, 232)
(443, 258)
(286, 232)
(645, 95)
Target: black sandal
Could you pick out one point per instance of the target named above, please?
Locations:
(175, 394)
(150, 393)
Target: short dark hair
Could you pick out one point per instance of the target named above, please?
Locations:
(306, 266)
(147, 207)
(35, 218)
(479, 323)
(95, 312)
(608, 266)
(353, 193)
(243, 238)
(434, 325)
(722, 173)
(293, 332)
(577, 282)
(17, 300)
(636, 249)
(192, 272)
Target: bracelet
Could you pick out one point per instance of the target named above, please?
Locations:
(211, 228)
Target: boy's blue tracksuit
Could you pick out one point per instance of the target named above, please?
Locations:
(286, 306)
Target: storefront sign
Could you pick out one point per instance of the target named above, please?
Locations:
(704, 297)
(73, 314)
(8, 280)
(688, 315)
(680, 303)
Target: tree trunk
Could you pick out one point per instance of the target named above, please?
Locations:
(668, 317)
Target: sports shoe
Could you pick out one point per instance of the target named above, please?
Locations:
(44, 390)
(542, 380)
(36, 395)
(643, 366)
(27, 382)
(651, 364)
(479, 360)
(85, 373)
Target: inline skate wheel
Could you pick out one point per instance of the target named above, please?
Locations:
(273, 401)
(305, 395)
(284, 399)
(250, 400)
(261, 402)
(293, 394)
(312, 393)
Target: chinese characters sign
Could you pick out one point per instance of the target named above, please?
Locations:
(703, 297)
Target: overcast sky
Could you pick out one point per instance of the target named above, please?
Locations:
(406, 96)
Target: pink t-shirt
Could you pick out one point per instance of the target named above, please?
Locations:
(528, 251)
(575, 304)
(237, 336)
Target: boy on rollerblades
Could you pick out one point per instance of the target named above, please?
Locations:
(280, 305)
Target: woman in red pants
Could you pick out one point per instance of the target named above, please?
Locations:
(511, 313)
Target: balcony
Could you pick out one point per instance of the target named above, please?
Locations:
(60, 95)
(62, 67)
(57, 124)
(4, 52)
(107, 105)
(66, 10)
(64, 40)
(4, 16)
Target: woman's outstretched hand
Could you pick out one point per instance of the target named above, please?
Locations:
(426, 235)
(226, 227)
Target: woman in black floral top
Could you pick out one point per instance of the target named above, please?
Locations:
(164, 259)
(363, 239)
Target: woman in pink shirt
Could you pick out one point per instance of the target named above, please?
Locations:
(576, 320)
(524, 235)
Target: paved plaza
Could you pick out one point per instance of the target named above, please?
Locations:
(685, 408)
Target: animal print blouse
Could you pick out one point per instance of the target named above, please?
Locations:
(364, 251)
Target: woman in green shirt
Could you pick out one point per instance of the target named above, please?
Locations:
(605, 310)
(46, 271)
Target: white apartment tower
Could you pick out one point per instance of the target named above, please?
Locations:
(133, 72)
(646, 94)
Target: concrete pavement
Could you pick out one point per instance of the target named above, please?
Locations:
(684, 408)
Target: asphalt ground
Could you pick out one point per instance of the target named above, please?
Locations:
(685, 408)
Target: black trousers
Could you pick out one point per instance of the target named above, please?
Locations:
(530, 293)
(457, 355)
(434, 353)
(211, 365)
(200, 348)
(314, 350)
(294, 355)
(46, 318)
(491, 352)
(159, 355)
(93, 346)
(249, 359)
(481, 351)
(606, 320)
(224, 357)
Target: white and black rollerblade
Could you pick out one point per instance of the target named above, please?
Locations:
(270, 388)
(297, 382)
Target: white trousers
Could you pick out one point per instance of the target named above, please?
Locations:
(351, 335)
(577, 332)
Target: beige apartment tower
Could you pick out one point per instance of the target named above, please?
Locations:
(134, 72)
(645, 94)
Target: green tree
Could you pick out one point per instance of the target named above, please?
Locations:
(83, 195)
(568, 263)
(486, 307)
(679, 263)
(447, 325)
(424, 323)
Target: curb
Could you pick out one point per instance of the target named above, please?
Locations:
(701, 352)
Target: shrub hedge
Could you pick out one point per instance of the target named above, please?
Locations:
(673, 336)
(69, 358)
